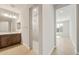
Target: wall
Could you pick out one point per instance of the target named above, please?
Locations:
(48, 37)
(73, 25)
(66, 29)
(77, 26)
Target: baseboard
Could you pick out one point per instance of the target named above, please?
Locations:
(51, 52)
(26, 45)
(77, 53)
(73, 43)
(75, 49)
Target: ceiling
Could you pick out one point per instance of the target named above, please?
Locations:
(20, 6)
(65, 13)
(57, 6)
(12, 9)
(15, 7)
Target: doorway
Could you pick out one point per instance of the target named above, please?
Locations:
(65, 30)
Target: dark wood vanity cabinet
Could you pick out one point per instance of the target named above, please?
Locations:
(9, 39)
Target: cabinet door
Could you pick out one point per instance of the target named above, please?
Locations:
(13, 39)
(4, 40)
(7, 40)
(18, 38)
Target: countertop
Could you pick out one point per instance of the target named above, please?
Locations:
(4, 33)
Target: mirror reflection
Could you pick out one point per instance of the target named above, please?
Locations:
(8, 21)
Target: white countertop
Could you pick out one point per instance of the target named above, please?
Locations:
(3, 33)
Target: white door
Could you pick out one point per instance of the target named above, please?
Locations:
(34, 29)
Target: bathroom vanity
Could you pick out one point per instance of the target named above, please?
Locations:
(8, 39)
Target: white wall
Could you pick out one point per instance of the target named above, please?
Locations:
(66, 28)
(48, 28)
(73, 25)
(72, 19)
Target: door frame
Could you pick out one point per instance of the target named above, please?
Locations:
(75, 50)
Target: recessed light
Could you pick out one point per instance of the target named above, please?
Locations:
(10, 16)
(61, 24)
(5, 15)
(14, 17)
